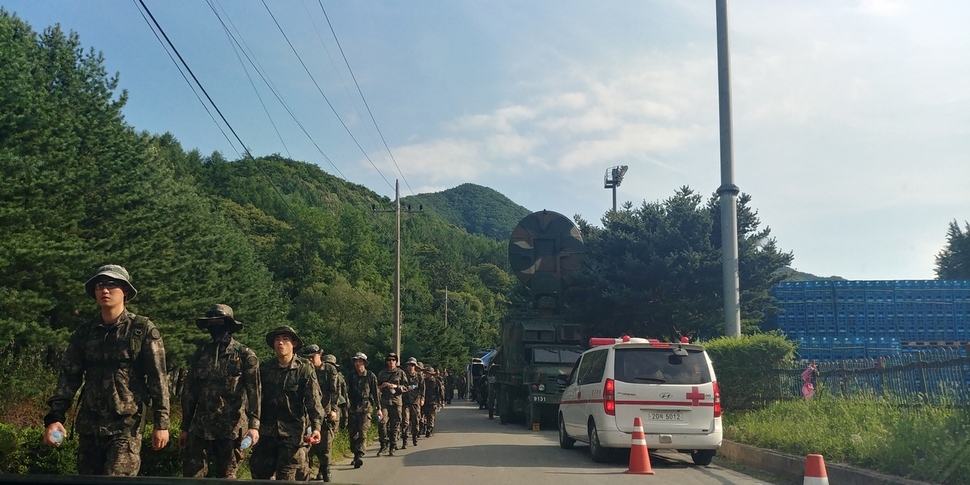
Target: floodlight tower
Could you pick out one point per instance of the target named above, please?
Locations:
(612, 179)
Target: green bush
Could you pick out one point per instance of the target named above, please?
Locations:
(23, 451)
(745, 368)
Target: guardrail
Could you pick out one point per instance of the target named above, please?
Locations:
(932, 376)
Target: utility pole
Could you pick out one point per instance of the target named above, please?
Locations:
(446, 307)
(727, 192)
(397, 263)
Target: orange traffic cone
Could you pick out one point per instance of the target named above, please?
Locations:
(815, 471)
(639, 455)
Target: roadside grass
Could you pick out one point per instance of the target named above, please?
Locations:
(926, 442)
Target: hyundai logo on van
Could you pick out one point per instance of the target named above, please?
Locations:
(665, 395)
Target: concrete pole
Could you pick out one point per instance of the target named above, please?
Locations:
(728, 192)
(397, 270)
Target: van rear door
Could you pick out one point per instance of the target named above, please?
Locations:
(672, 394)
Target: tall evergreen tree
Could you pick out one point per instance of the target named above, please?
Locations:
(953, 262)
(655, 271)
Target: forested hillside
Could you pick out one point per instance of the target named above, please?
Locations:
(480, 210)
(279, 240)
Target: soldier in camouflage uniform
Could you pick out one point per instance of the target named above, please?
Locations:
(120, 359)
(327, 380)
(343, 400)
(392, 382)
(363, 395)
(220, 399)
(290, 403)
(434, 398)
(412, 402)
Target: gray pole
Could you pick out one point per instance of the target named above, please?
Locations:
(614, 198)
(397, 271)
(728, 192)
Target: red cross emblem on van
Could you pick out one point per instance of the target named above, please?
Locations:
(695, 396)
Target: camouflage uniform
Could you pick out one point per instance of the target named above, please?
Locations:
(291, 395)
(412, 404)
(220, 403)
(391, 402)
(329, 392)
(343, 400)
(119, 382)
(363, 400)
(434, 397)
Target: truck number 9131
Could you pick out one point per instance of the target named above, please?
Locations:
(538, 398)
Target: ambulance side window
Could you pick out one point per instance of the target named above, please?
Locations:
(593, 367)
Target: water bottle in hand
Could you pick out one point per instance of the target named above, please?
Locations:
(57, 436)
(309, 430)
(246, 442)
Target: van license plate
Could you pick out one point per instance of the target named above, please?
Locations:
(675, 416)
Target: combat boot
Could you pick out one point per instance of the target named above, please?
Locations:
(324, 473)
(404, 445)
(414, 439)
(382, 450)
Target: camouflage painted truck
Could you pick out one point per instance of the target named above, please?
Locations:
(538, 343)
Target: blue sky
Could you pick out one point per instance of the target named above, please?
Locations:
(851, 118)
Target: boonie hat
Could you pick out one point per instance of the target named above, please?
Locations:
(112, 271)
(330, 359)
(430, 370)
(411, 361)
(311, 350)
(217, 315)
(284, 330)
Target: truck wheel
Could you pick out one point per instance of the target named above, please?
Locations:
(596, 450)
(504, 412)
(565, 442)
(532, 415)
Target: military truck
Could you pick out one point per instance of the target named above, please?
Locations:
(538, 342)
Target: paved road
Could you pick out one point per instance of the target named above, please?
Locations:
(469, 448)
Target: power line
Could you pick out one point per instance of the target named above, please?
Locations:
(342, 123)
(214, 106)
(236, 49)
(369, 112)
(246, 50)
(179, 67)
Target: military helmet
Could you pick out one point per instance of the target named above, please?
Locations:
(330, 359)
(360, 356)
(217, 315)
(284, 330)
(310, 350)
(115, 272)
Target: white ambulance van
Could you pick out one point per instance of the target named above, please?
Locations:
(671, 387)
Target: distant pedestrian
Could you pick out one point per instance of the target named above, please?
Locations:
(434, 399)
(449, 386)
(220, 399)
(290, 403)
(119, 359)
(363, 394)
